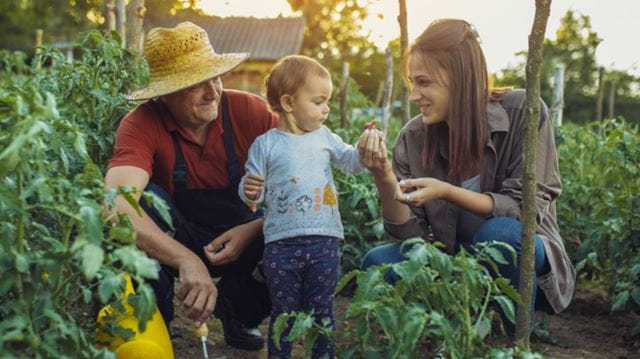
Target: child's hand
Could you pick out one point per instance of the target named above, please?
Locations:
(253, 186)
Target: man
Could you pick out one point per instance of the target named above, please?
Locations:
(188, 143)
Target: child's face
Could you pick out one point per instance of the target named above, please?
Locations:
(311, 103)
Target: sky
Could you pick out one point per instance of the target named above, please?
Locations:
(503, 25)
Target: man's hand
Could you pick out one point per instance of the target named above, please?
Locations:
(227, 247)
(253, 186)
(196, 290)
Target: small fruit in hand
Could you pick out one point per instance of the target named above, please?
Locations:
(371, 125)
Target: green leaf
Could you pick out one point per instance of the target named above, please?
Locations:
(122, 234)
(496, 255)
(144, 305)
(279, 327)
(91, 224)
(508, 308)
(127, 193)
(635, 294)
(620, 301)
(160, 205)
(345, 279)
(22, 263)
(137, 262)
(506, 288)
(413, 324)
(113, 284)
(302, 323)
(92, 258)
(6, 282)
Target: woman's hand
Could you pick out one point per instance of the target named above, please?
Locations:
(372, 151)
(426, 189)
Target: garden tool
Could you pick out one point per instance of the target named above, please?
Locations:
(202, 332)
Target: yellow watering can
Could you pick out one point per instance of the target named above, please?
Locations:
(153, 343)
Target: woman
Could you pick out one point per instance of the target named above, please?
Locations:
(460, 164)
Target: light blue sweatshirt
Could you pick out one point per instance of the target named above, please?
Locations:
(299, 193)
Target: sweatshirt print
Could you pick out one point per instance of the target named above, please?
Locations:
(299, 192)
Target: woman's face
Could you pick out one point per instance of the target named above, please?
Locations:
(431, 94)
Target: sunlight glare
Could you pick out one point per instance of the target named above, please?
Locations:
(261, 8)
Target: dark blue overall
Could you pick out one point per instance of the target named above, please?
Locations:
(199, 216)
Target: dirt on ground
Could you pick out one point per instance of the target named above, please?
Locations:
(586, 329)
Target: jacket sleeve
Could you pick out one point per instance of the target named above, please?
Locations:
(508, 199)
(414, 227)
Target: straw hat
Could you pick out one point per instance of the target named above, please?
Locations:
(180, 57)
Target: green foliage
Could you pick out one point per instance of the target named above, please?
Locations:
(575, 48)
(60, 20)
(598, 210)
(333, 35)
(60, 254)
(441, 306)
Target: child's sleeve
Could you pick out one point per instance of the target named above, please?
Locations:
(343, 155)
(256, 164)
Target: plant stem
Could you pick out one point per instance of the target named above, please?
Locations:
(20, 237)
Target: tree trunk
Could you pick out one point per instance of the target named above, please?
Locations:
(344, 87)
(404, 44)
(534, 60)
(600, 93)
(612, 98)
(110, 14)
(39, 34)
(388, 88)
(558, 95)
(121, 21)
(135, 19)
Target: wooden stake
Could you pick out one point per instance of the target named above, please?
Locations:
(135, 19)
(527, 256)
(39, 34)
(121, 21)
(388, 88)
(558, 95)
(404, 44)
(612, 98)
(344, 87)
(110, 15)
(600, 94)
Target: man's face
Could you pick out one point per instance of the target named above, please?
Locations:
(195, 106)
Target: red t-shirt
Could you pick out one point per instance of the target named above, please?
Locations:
(144, 140)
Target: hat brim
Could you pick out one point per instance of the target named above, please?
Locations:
(198, 72)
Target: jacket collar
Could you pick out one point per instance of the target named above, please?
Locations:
(497, 118)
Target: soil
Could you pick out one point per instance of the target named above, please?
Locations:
(586, 329)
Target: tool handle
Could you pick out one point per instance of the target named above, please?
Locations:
(201, 331)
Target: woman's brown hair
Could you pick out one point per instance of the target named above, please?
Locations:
(452, 46)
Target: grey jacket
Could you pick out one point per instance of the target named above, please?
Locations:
(500, 178)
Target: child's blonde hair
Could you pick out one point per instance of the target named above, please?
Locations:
(286, 78)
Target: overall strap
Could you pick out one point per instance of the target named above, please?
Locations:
(180, 166)
(180, 173)
(233, 165)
